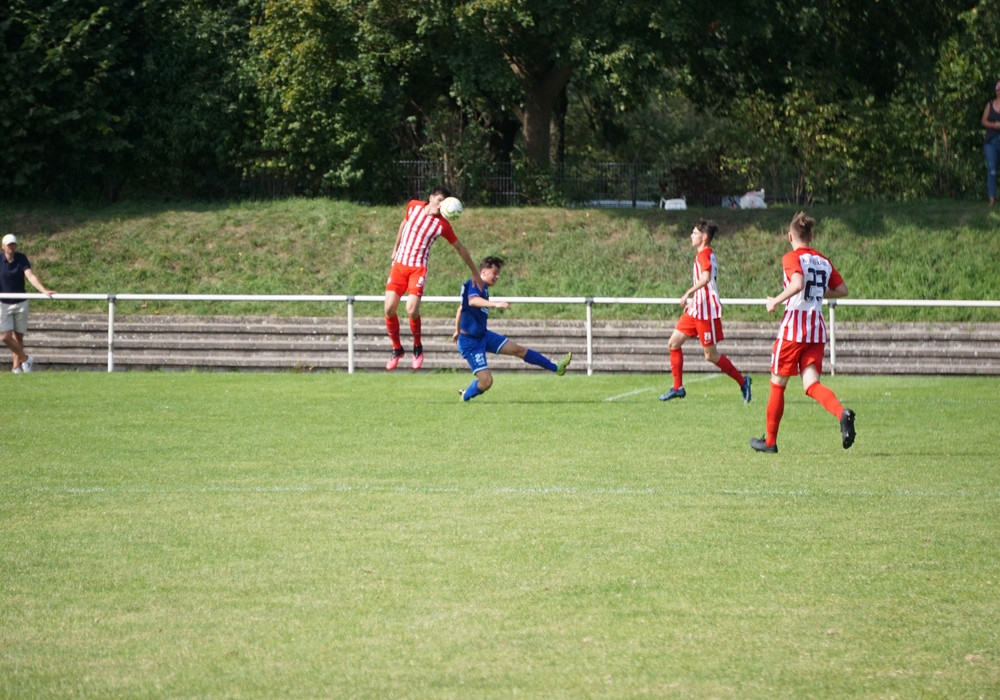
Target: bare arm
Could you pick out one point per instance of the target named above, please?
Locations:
(793, 288)
(481, 303)
(36, 283)
(458, 324)
(702, 282)
(464, 254)
(399, 237)
(837, 292)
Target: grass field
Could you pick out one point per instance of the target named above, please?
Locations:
(333, 535)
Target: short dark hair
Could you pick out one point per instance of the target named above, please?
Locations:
(708, 227)
(491, 261)
(442, 190)
(802, 227)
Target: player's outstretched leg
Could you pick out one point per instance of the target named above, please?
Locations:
(563, 364)
(532, 357)
(471, 392)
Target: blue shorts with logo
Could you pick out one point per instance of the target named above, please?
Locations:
(474, 349)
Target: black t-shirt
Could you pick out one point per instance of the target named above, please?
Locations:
(12, 275)
(991, 134)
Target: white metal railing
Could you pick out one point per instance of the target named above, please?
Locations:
(589, 302)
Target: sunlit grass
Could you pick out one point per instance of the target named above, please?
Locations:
(370, 535)
(923, 250)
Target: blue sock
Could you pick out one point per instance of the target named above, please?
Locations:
(473, 391)
(537, 358)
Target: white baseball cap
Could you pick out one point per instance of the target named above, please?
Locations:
(9, 238)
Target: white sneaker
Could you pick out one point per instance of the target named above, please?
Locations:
(16, 370)
(26, 365)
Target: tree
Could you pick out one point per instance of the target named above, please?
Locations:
(526, 52)
(110, 98)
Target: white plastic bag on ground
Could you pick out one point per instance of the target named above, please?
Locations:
(754, 199)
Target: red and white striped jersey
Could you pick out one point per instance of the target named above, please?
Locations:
(704, 305)
(420, 230)
(803, 320)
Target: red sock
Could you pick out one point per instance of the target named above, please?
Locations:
(729, 368)
(826, 398)
(415, 329)
(677, 367)
(775, 409)
(392, 326)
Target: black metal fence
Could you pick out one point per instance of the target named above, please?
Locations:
(631, 185)
(590, 184)
(497, 181)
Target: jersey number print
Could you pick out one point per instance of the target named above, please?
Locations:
(815, 278)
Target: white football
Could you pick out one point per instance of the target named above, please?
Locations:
(451, 208)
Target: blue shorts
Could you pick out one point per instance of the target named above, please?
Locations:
(474, 349)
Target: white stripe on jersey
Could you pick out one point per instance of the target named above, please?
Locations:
(706, 305)
(803, 320)
(419, 233)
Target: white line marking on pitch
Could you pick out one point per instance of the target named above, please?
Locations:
(551, 490)
(631, 393)
(652, 388)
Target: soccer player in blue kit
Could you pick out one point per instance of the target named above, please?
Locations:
(475, 339)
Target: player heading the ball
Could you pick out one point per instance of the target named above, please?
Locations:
(422, 224)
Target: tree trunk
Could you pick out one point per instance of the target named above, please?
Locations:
(543, 88)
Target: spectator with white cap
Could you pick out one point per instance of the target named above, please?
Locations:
(14, 268)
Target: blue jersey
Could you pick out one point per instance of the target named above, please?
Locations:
(473, 322)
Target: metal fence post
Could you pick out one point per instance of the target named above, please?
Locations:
(833, 337)
(350, 335)
(590, 336)
(111, 332)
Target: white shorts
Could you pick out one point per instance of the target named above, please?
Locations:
(14, 317)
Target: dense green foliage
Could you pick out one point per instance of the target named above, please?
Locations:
(110, 99)
(836, 100)
(370, 536)
(933, 250)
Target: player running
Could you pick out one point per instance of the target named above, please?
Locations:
(474, 339)
(702, 316)
(808, 278)
(421, 226)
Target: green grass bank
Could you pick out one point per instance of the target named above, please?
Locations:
(924, 250)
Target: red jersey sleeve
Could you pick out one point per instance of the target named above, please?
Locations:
(791, 264)
(704, 260)
(447, 232)
(835, 279)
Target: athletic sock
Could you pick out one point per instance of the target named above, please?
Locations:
(826, 398)
(392, 326)
(729, 368)
(472, 391)
(677, 367)
(537, 358)
(775, 409)
(415, 329)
